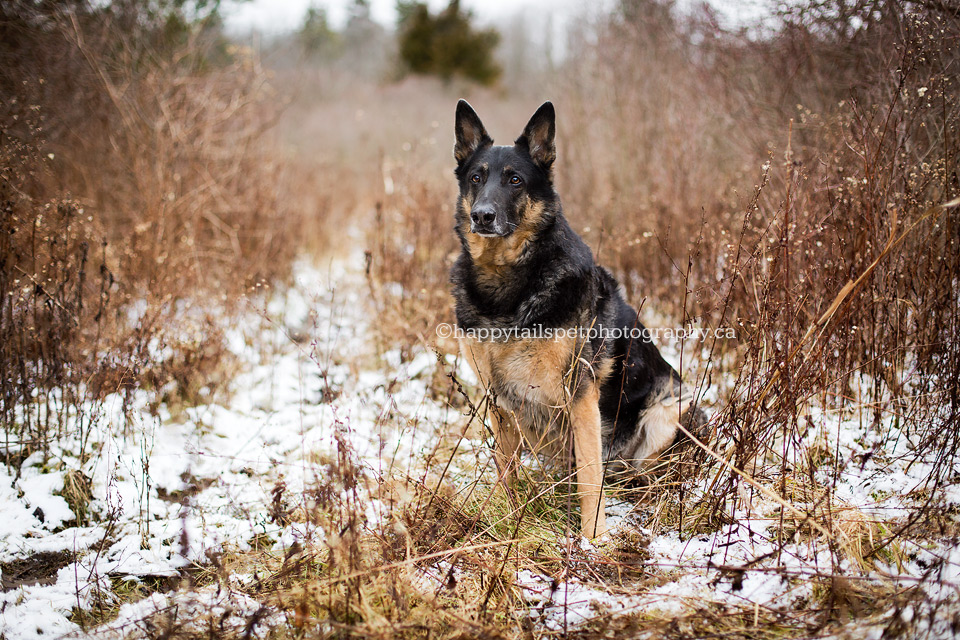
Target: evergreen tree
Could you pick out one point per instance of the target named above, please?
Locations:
(446, 44)
(316, 37)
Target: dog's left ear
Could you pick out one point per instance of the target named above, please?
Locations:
(538, 135)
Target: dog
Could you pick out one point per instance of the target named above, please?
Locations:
(576, 361)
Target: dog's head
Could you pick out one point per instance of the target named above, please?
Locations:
(504, 189)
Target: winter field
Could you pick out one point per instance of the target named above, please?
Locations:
(222, 518)
(227, 411)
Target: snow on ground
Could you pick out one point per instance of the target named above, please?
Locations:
(758, 572)
(171, 490)
(227, 610)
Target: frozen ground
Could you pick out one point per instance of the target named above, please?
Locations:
(170, 491)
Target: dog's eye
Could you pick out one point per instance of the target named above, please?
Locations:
(515, 180)
(475, 178)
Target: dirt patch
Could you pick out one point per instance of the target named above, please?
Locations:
(39, 569)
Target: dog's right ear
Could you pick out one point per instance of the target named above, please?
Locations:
(470, 133)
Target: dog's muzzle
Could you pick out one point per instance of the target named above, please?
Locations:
(483, 222)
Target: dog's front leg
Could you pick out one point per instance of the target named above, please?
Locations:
(585, 416)
(506, 431)
(506, 435)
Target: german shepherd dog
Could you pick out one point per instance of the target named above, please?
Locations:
(596, 375)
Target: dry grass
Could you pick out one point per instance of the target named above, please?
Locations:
(142, 201)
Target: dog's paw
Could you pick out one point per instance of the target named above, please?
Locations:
(622, 474)
(694, 420)
(603, 538)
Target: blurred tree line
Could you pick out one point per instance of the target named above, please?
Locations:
(160, 27)
(444, 44)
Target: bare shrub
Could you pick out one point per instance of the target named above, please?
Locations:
(141, 193)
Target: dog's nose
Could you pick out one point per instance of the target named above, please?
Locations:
(483, 216)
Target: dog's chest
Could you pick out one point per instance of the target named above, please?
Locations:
(532, 374)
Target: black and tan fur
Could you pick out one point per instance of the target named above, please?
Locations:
(522, 266)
